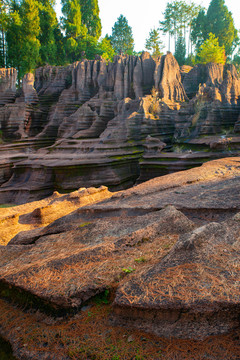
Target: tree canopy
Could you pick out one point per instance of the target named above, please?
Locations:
(90, 17)
(22, 37)
(153, 43)
(211, 51)
(217, 20)
(122, 36)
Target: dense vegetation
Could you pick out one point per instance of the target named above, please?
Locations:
(191, 26)
(31, 35)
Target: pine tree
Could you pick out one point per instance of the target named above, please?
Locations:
(211, 51)
(180, 52)
(153, 43)
(220, 23)
(122, 37)
(90, 17)
(218, 20)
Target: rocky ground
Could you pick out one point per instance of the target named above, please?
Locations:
(151, 272)
(114, 124)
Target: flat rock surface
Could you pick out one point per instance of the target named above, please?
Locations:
(193, 291)
(71, 267)
(168, 247)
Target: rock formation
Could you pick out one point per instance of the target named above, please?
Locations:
(167, 250)
(89, 123)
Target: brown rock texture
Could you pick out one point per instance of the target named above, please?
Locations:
(87, 124)
(167, 250)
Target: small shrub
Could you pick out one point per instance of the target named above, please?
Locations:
(128, 270)
(140, 259)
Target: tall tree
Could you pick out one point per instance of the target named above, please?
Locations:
(177, 21)
(180, 52)
(90, 17)
(74, 30)
(49, 29)
(22, 36)
(220, 23)
(199, 28)
(122, 36)
(4, 18)
(153, 43)
(218, 20)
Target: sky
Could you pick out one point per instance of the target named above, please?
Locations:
(143, 16)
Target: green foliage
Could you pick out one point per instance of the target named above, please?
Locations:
(190, 60)
(72, 18)
(178, 17)
(128, 270)
(153, 43)
(4, 19)
(140, 260)
(22, 37)
(122, 37)
(102, 298)
(218, 20)
(180, 51)
(50, 52)
(220, 23)
(211, 51)
(236, 62)
(90, 17)
(74, 30)
(105, 49)
(199, 28)
(82, 27)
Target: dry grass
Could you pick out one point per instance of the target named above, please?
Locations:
(56, 274)
(215, 278)
(88, 335)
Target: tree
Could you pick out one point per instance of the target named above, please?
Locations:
(211, 51)
(3, 28)
(122, 37)
(199, 29)
(236, 61)
(22, 37)
(218, 20)
(220, 23)
(48, 37)
(75, 32)
(90, 17)
(105, 48)
(177, 22)
(180, 52)
(153, 43)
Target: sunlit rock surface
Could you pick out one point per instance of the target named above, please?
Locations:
(88, 123)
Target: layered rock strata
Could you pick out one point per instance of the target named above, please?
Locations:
(92, 119)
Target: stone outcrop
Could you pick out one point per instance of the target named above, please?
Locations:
(8, 86)
(89, 121)
(193, 291)
(168, 79)
(167, 250)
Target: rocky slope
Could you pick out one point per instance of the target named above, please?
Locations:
(112, 124)
(167, 250)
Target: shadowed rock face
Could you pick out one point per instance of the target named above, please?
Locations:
(89, 123)
(168, 247)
